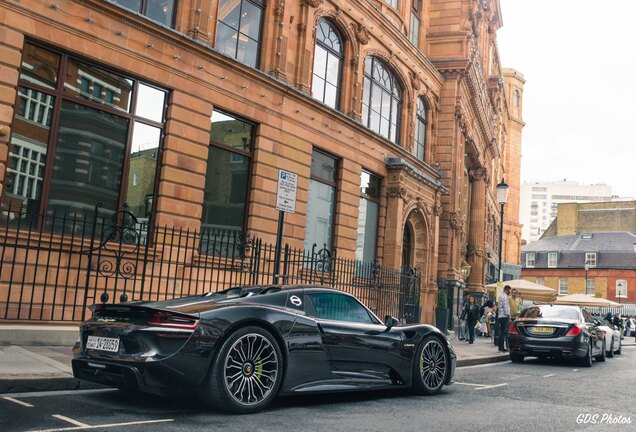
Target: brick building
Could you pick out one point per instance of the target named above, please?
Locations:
(396, 116)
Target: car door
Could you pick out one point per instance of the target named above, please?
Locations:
(359, 345)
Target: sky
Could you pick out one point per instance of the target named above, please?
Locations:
(578, 58)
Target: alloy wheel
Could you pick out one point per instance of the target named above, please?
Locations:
(433, 365)
(251, 368)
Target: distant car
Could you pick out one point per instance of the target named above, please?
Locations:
(240, 348)
(556, 331)
(612, 337)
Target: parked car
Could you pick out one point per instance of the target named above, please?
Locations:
(612, 337)
(241, 347)
(556, 331)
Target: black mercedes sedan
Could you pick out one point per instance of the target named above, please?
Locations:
(556, 331)
(240, 348)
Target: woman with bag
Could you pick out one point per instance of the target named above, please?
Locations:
(471, 311)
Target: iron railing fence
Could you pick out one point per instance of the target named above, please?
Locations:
(54, 266)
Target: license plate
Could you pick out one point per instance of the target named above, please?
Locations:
(102, 343)
(544, 330)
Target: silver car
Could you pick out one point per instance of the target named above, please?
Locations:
(612, 337)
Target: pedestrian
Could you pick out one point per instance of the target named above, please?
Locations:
(504, 318)
(515, 304)
(463, 331)
(618, 323)
(492, 321)
(485, 313)
(471, 312)
(631, 328)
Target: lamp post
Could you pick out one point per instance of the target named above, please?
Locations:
(619, 293)
(502, 197)
(587, 267)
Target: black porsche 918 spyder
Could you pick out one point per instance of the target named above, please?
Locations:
(241, 347)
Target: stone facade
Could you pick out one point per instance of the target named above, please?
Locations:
(446, 199)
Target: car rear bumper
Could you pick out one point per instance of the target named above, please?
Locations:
(557, 347)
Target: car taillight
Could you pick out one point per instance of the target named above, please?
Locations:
(574, 331)
(164, 319)
(512, 329)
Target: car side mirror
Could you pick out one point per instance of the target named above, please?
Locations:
(390, 321)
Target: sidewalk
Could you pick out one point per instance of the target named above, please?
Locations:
(38, 358)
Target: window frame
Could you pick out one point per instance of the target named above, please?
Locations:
(373, 320)
(262, 5)
(368, 99)
(416, 8)
(590, 259)
(376, 200)
(533, 260)
(334, 184)
(553, 259)
(421, 121)
(563, 283)
(61, 94)
(330, 51)
(589, 283)
(143, 11)
(624, 293)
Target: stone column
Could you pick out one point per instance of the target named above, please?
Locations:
(476, 230)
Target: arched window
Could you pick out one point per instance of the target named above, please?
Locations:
(516, 98)
(328, 57)
(381, 99)
(238, 33)
(420, 130)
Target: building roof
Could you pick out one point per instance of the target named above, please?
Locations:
(614, 250)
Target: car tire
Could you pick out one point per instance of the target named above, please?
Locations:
(246, 372)
(516, 358)
(610, 353)
(431, 366)
(601, 356)
(619, 351)
(587, 360)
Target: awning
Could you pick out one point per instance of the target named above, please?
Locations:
(527, 290)
(585, 300)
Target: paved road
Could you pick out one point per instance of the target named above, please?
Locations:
(546, 396)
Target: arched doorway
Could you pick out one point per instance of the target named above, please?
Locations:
(407, 245)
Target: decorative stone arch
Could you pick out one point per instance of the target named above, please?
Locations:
(422, 245)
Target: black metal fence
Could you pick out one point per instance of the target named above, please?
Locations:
(52, 267)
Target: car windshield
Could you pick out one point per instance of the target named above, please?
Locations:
(547, 311)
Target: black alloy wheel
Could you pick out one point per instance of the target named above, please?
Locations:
(601, 356)
(587, 360)
(610, 353)
(430, 367)
(246, 372)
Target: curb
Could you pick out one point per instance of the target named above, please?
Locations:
(483, 360)
(47, 384)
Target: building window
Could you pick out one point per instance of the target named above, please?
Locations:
(590, 258)
(414, 32)
(340, 307)
(69, 118)
(238, 32)
(321, 202)
(328, 57)
(381, 99)
(516, 98)
(552, 259)
(368, 217)
(227, 176)
(161, 11)
(393, 3)
(530, 259)
(541, 281)
(563, 286)
(589, 286)
(420, 130)
(621, 288)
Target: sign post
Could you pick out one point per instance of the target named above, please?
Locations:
(285, 203)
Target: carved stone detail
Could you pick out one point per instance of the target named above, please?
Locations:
(361, 32)
(477, 174)
(312, 3)
(415, 80)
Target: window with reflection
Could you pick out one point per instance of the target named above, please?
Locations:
(162, 11)
(368, 212)
(381, 99)
(420, 130)
(393, 3)
(414, 31)
(328, 56)
(79, 140)
(517, 97)
(226, 182)
(238, 32)
(321, 203)
(340, 307)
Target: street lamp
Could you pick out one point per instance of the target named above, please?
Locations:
(502, 197)
(619, 293)
(587, 267)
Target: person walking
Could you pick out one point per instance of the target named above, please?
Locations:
(471, 312)
(492, 320)
(515, 304)
(504, 318)
(463, 329)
